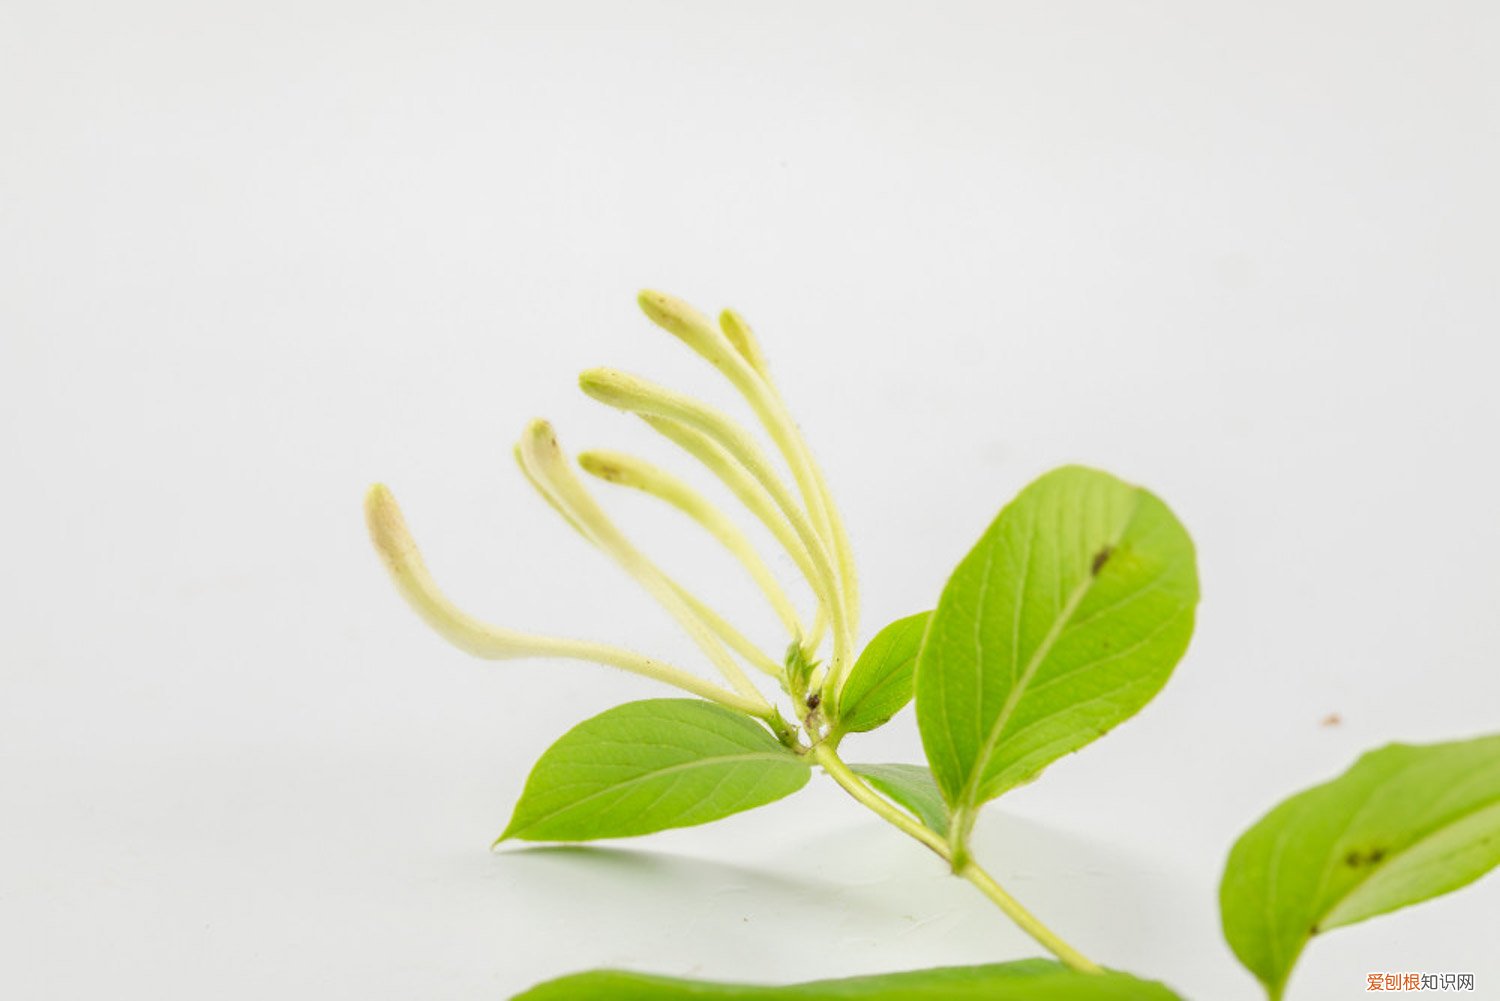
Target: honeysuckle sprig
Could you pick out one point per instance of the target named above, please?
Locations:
(975, 746)
(399, 552)
(1063, 621)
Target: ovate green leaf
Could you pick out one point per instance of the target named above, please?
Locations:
(1026, 980)
(910, 786)
(646, 766)
(1405, 824)
(880, 683)
(1064, 620)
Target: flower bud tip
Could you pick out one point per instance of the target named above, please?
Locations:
(600, 465)
(678, 319)
(387, 527)
(604, 384)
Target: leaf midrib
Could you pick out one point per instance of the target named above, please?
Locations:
(1385, 864)
(669, 770)
(1034, 663)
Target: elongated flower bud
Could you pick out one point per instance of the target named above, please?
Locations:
(543, 459)
(628, 471)
(398, 551)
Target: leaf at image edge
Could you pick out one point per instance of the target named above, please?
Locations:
(1404, 824)
(1024, 980)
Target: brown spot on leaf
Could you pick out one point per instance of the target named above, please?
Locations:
(1357, 859)
(1101, 558)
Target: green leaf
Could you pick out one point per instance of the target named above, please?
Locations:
(646, 766)
(1064, 620)
(880, 683)
(912, 787)
(1405, 824)
(1026, 980)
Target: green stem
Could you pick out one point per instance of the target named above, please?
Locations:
(889, 812)
(1046, 937)
(784, 732)
(969, 870)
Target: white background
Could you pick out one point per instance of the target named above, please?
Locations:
(257, 256)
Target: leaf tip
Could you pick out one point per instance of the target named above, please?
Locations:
(512, 832)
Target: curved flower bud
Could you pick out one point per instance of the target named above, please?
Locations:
(398, 551)
(543, 460)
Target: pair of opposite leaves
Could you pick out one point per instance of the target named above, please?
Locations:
(1064, 620)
